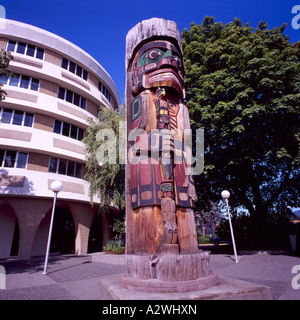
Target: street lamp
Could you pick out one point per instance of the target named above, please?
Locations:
(55, 186)
(225, 195)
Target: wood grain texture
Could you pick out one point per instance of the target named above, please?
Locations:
(168, 267)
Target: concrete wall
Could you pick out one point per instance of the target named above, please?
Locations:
(7, 226)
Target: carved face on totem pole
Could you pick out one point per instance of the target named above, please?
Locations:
(158, 64)
(160, 197)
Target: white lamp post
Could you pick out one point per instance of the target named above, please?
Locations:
(55, 186)
(225, 195)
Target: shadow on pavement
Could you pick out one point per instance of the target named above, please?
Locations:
(37, 264)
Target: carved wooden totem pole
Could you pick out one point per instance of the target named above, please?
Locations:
(161, 247)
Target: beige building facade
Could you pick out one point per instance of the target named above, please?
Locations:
(56, 86)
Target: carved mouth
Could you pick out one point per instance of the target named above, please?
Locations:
(164, 78)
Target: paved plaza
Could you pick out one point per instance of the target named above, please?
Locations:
(76, 278)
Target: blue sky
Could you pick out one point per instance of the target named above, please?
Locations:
(100, 26)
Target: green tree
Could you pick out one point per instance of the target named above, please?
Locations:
(107, 180)
(243, 89)
(5, 57)
(210, 214)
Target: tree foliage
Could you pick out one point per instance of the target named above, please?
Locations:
(243, 89)
(106, 180)
(5, 58)
(210, 214)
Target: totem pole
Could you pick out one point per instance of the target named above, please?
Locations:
(161, 235)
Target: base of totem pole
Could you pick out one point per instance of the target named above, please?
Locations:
(166, 273)
(181, 276)
(158, 286)
(226, 289)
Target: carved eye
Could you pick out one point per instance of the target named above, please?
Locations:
(153, 54)
(178, 60)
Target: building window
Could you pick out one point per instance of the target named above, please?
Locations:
(74, 68)
(57, 126)
(21, 47)
(76, 100)
(28, 119)
(85, 75)
(71, 97)
(24, 48)
(14, 80)
(73, 132)
(104, 91)
(9, 158)
(30, 50)
(64, 63)
(78, 170)
(6, 115)
(1, 156)
(24, 82)
(79, 71)
(3, 79)
(68, 130)
(22, 160)
(62, 166)
(34, 85)
(83, 103)
(65, 167)
(13, 159)
(39, 53)
(21, 81)
(16, 117)
(61, 93)
(53, 165)
(11, 46)
(71, 169)
(80, 135)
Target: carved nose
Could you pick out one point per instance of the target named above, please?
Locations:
(165, 62)
(168, 62)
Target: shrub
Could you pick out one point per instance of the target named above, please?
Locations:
(202, 239)
(115, 246)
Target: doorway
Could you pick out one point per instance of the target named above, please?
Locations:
(63, 233)
(95, 243)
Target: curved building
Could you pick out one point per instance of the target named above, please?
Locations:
(56, 86)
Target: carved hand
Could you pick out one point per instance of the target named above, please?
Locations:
(167, 141)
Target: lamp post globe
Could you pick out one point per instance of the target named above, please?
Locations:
(225, 194)
(56, 186)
